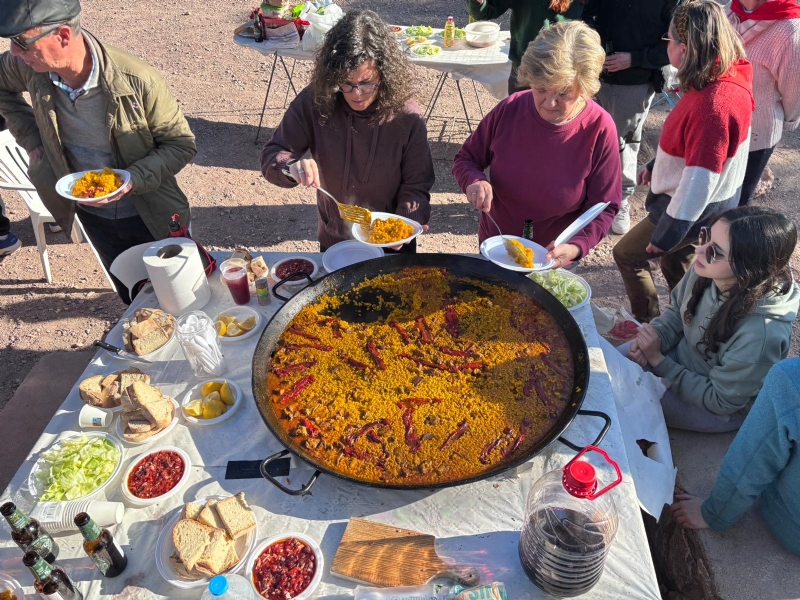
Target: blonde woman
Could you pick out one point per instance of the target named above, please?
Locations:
(527, 19)
(701, 157)
(553, 152)
(770, 31)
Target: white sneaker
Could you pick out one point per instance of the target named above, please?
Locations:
(622, 222)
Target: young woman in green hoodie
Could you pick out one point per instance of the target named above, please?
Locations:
(729, 321)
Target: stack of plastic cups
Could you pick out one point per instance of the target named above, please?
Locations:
(563, 554)
(60, 516)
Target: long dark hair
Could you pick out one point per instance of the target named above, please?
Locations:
(761, 242)
(357, 37)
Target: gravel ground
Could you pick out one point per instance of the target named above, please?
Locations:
(221, 88)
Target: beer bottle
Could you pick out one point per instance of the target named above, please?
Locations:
(527, 230)
(28, 534)
(50, 581)
(258, 26)
(99, 544)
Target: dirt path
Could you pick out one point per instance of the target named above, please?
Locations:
(221, 88)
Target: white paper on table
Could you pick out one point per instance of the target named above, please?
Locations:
(637, 394)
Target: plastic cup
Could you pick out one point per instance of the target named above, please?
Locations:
(92, 417)
(234, 272)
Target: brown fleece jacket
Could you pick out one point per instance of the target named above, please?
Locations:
(386, 167)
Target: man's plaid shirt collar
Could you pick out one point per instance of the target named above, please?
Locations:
(90, 82)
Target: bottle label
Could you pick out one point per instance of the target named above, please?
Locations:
(18, 520)
(90, 531)
(43, 546)
(41, 569)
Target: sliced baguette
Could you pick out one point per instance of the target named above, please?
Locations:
(191, 539)
(236, 515)
(90, 390)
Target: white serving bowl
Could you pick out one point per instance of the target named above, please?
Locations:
(482, 34)
(309, 591)
(135, 500)
(241, 313)
(65, 184)
(9, 584)
(582, 281)
(194, 394)
(33, 482)
(302, 280)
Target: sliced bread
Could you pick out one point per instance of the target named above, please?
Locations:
(139, 426)
(236, 515)
(209, 516)
(259, 267)
(192, 510)
(91, 391)
(111, 395)
(218, 556)
(140, 437)
(191, 539)
(158, 409)
(150, 342)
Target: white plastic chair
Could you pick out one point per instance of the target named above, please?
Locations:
(129, 267)
(14, 176)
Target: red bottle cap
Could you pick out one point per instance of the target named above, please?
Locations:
(579, 479)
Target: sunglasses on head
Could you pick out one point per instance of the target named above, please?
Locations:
(710, 253)
(25, 44)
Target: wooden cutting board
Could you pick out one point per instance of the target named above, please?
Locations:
(389, 556)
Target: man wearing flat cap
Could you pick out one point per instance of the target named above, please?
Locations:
(92, 106)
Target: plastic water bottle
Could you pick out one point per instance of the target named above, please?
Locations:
(568, 528)
(229, 587)
(449, 33)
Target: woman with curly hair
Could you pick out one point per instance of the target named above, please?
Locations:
(366, 137)
(527, 19)
(729, 321)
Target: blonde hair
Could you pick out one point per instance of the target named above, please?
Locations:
(561, 55)
(712, 45)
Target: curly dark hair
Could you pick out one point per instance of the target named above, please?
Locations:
(762, 241)
(357, 37)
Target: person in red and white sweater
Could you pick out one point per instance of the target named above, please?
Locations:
(702, 154)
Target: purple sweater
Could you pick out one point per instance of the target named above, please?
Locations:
(547, 173)
(385, 167)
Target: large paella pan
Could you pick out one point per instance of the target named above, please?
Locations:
(419, 371)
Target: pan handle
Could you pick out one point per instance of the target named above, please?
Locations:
(600, 436)
(299, 492)
(282, 281)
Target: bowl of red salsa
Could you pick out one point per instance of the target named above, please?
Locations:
(288, 565)
(156, 475)
(294, 264)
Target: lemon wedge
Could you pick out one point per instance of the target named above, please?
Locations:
(213, 408)
(220, 328)
(233, 330)
(211, 386)
(226, 318)
(226, 394)
(248, 323)
(194, 408)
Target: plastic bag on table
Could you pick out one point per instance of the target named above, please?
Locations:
(319, 25)
(616, 324)
(488, 591)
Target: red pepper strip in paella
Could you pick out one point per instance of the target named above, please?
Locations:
(424, 330)
(335, 327)
(523, 433)
(401, 331)
(372, 348)
(470, 366)
(353, 362)
(297, 367)
(298, 387)
(554, 366)
(491, 447)
(297, 331)
(451, 321)
(313, 430)
(457, 433)
(312, 346)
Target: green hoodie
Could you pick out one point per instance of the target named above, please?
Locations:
(726, 382)
(527, 19)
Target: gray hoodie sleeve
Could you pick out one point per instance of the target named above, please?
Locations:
(669, 326)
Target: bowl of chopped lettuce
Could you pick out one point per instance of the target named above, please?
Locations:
(570, 289)
(76, 467)
(426, 50)
(422, 30)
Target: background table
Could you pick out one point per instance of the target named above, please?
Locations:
(477, 523)
(488, 66)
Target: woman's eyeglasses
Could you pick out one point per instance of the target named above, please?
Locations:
(364, 88)
(25, 44)
(710, 253)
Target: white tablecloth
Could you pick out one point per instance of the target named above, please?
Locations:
(477, 523)
(488, 66)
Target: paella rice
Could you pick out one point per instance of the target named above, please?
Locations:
(386, 231)
(443, 388)
(94, 184)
